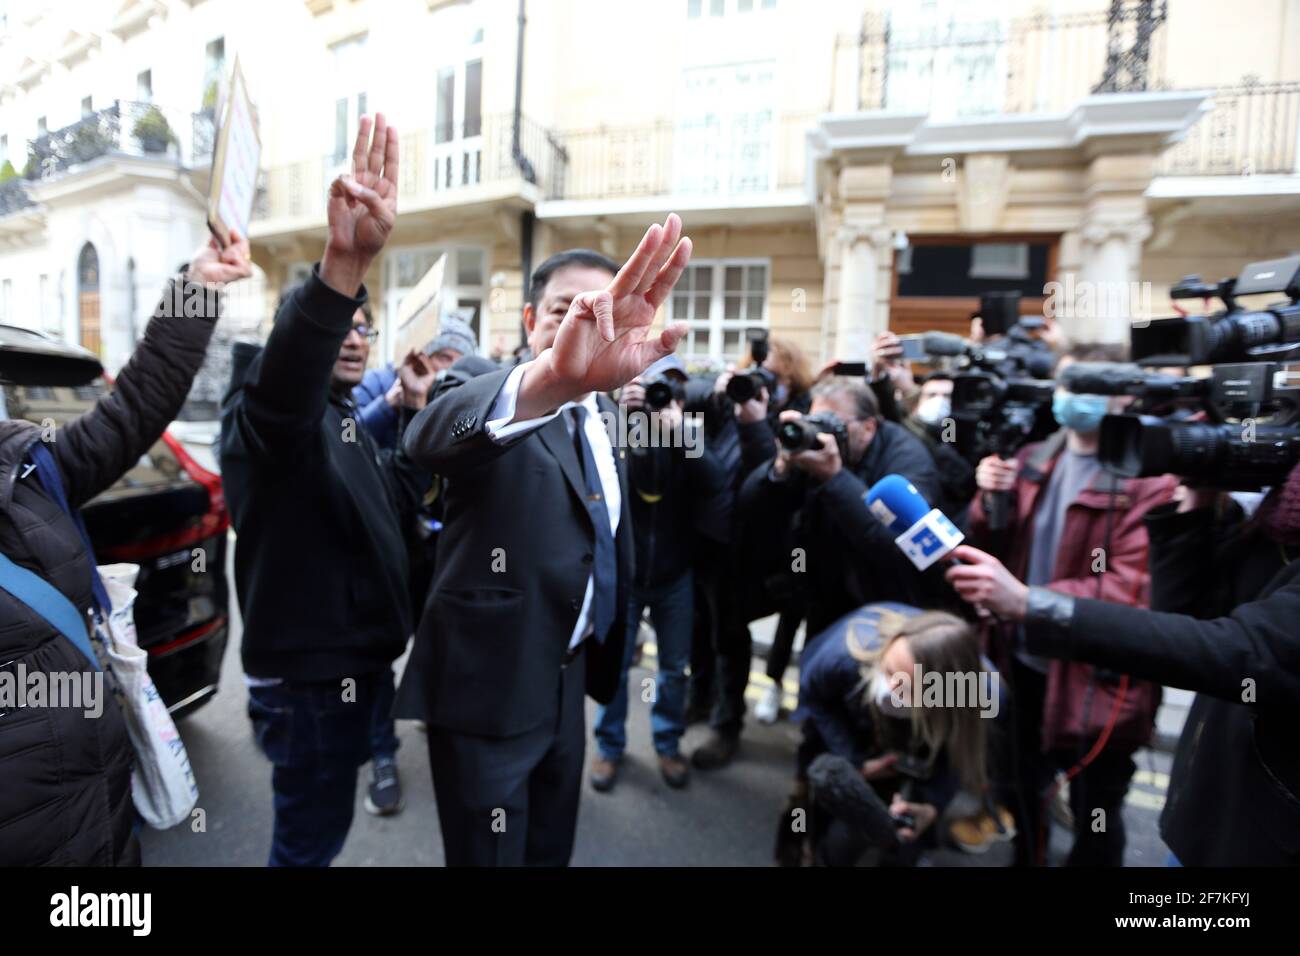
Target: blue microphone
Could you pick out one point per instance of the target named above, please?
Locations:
(922, 533)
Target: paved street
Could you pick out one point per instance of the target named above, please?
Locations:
(726, 818)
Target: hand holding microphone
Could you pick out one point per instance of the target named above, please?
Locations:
(985, 582)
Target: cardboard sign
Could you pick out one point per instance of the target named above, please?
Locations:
(420, 312)
(235, 162)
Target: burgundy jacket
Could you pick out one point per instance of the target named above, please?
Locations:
(1070, 719)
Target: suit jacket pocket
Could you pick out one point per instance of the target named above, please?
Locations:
(477, 637)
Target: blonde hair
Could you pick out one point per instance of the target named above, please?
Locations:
(942, 643)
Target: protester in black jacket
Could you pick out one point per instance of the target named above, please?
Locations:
(321, 516)
(66, 795)
(669, 469)
(807, 527)
(1234, 790)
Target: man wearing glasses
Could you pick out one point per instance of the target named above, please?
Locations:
(321, 514)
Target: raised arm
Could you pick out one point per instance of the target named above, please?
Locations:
(96, 449)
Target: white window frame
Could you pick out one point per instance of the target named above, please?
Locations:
(347, 85)
(711, 122)
(716, 325)
(458, 161)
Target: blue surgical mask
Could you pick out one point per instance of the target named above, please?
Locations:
(1081, 413)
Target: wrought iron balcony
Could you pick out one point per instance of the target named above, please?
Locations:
(123, 129)
(989, 64)
(1252, 129)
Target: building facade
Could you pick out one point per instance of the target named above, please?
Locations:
(843, 166)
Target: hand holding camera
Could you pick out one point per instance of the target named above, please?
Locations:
(813, 444)
(997, 474)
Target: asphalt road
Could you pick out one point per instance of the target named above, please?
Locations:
(723, 818)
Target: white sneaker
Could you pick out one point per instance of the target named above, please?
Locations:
(768, 709)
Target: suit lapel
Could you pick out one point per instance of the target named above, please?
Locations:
(555, 436)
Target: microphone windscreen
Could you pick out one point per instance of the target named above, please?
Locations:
(839, 789)
(943, 343)
(896, 503)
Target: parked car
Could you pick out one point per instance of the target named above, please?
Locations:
(167, 514)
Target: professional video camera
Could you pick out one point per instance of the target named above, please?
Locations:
(1235, 334)
(1001, 399)
(801, 433)
(1249, 437)
(747, 383)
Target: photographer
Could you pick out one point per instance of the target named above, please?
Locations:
(1070, 520)
(924, 409)
(809, 534)
(1234, 791)
(664, 481)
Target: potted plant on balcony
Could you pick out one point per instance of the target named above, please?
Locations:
(153, 131)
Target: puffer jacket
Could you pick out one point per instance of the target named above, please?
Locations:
(66, 792)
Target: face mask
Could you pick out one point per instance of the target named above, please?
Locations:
(883, 694)
(1082, 413)
(934, 409)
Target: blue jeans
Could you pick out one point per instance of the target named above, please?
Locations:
(316, 735)
(672, 608)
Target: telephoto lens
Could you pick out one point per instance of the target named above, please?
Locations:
(1232, 456)
(747, 384)
(659, 393)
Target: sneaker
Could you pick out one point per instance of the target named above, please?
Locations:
(385, 795)
(674, 769)
(768, 709)
(715, 752)
(977, 834)
(603, 773)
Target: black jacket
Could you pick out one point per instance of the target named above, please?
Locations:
(1234, 791)
(666, 485)
(851, 558)
(513, 561)
(65, 798)
(321, 513)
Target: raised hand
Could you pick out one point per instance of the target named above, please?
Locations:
(604, 340)
(215, 266)
(415, 376)
(362, 207)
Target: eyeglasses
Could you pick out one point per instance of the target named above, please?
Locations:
(370, 335)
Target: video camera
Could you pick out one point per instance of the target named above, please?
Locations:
(1001, 398)
(1250, 436)
(660, 392)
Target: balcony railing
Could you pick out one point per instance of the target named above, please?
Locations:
(750, 154)
(123, 129)
(435, 164)
(14, 197)
(1251, 129)
(995, 65)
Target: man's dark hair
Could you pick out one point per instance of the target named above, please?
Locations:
(1095, 352)
(588, 258)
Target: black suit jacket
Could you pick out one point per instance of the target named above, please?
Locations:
(513, 561)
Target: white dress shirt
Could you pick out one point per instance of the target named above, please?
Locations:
(501, 426)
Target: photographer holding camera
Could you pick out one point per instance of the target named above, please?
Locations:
(665, 483)
(924, 409)
(1069, 520)
(812, 536)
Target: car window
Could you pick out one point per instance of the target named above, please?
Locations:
(59, 404)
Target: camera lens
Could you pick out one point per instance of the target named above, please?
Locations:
(742, 387)
(658, 394)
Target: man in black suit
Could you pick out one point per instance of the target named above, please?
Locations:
(528, 602)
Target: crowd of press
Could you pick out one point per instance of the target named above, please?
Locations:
(483, 511)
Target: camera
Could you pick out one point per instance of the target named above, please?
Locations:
(801, 434)
(660, 392)
(747, 383)
(1234, 334)
(1250, 436)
